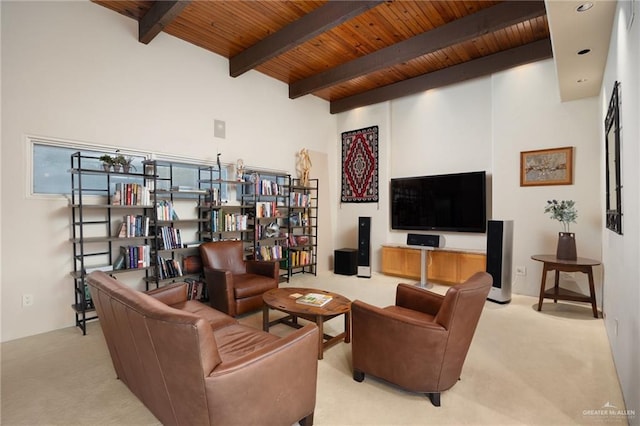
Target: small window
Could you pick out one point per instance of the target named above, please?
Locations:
(189, 176)
(51, 165)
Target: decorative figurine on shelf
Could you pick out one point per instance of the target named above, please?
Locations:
(239, 170)
(272, 230)
(219, 167)
(304, 166)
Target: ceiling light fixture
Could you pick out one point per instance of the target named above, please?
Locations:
(584, 51)
(584, 6)
(582, 80)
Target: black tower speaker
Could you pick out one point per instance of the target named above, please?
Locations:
(364, 247)
(499, 259)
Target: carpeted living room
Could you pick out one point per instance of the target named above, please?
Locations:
(523, 367)
(94, 76)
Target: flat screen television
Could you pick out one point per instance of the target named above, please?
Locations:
(452, 202)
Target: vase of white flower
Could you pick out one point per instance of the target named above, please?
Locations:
(566, 213)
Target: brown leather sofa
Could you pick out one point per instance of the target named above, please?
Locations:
(421, 342)
(235, 285)
(192, 365)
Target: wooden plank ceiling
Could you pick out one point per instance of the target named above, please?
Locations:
(354, 53)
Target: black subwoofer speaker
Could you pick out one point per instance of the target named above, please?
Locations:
(364, 247)
(500, 258)
(345, 261)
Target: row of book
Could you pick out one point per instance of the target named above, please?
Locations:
(299, 219)
(134, 226)
(168, 268)
(169, 238)
(212, 198)
(297, 199)
(268, 187)
(300, 257)
(131, 194)
(269, 252)
(267, 209)
(297, 240)
(223, 222)
(196, 289)
(133, 257)
(88, 302)
(165, 210)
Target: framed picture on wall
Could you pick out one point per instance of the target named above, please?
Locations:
(547, 167)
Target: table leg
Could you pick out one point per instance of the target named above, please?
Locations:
(320, 324)
(265, 318)
(556, 286)
(347, 327)
(542, 284)
(592, 292)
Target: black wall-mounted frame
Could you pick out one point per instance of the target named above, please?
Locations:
(613, 180)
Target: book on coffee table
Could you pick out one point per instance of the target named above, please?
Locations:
(314, 299)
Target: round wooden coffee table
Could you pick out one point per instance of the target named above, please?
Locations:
(284, 300)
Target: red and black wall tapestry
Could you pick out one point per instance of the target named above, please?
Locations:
(360, 166)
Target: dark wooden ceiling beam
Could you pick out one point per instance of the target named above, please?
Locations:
(486, 65)
(158, 17)
(469, 27)
(307, 27)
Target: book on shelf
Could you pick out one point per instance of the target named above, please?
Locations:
(168, 268)
(130, 194)
(314, 299)
(165, 211)
(104, 268)
(119, 263)
(194, 289)
(179, 188)
(134, 226)
(133, 257)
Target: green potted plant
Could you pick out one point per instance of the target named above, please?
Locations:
(125, 163)
(117, 162)
(566, 213)
(107, 162)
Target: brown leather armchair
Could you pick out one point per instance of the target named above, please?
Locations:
(235, 286)
(421, 342)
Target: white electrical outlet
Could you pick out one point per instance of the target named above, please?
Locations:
(521, 270)
(27, 299)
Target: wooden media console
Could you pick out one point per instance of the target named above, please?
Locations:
(445, 266)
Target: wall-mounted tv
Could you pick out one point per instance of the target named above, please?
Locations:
(452, 202)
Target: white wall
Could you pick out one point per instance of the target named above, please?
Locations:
(528, 115)
(484, 124)
(75, 71)
(621, 253)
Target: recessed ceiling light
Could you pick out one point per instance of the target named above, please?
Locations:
(582, 80)
(584, 51)
(584, 6)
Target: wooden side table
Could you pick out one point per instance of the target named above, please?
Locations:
(581, 264)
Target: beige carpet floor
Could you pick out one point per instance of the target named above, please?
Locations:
(524, 368)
